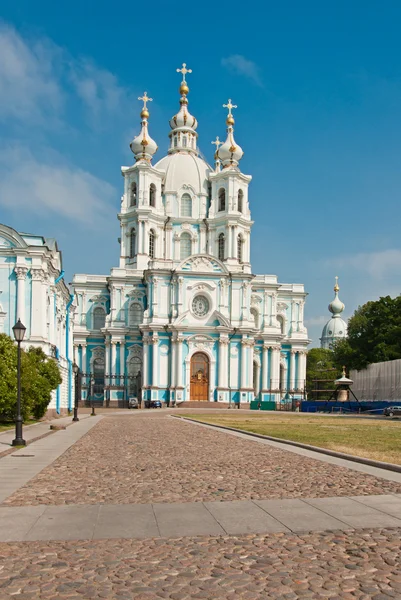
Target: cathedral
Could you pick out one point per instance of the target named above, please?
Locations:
(183, 317)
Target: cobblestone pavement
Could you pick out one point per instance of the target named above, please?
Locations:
(154, 458)
(338, 566)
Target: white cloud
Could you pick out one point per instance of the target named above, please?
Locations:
(238, 64)
(53, 189)
(99, 90)
(377, 264)
(28, 86)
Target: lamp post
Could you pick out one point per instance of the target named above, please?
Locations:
(77, 387)
(93, 414)
(19, 332)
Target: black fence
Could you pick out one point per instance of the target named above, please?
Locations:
(101, 390)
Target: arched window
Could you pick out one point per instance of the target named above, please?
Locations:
(134, 373)
(152, 194)
(239, 248)
(133, 194)
(152, 239)
(135, 315)
(99, 318)
(185, 246)
(175, 141)
(186, 205)
(184, 141)
(240, 200)
(255, 317)
(222, 199)
(221, 244)
(133, 243)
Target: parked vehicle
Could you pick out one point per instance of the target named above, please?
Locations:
(155, 404)
(392, 411)
(133, 402)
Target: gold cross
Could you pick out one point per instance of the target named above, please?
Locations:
(145, 99)
(184, 71)
(229, 106)
(217, 143)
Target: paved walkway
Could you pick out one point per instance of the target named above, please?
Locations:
(133, 521)
(18, 468)
(30, 432)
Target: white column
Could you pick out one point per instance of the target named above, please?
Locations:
(155, 356)
(292, 370)
(107, 363)
(173, 365)
(145, 361)
(244, 347)
(83, 366)
(275, 368)
(155, 308)
(293, 326)
(301, 370)
(223, 367)
(250, 365)
(113, 360)
(229, 242)
(21, 273)
(122, 359)
(179, 361)
(265, 383)
(52, 315)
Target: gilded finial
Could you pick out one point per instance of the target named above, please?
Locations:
(145, 99)
(344, 371)
(230, 118)
(336, 286)
(184, 89)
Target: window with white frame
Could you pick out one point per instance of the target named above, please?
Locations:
(152, 194)
(99, 318)
(186, 205)
(222, 199)
(152, 240)
(239, 248)
(133, 199)
(240, 201)
(135, 315)
(133, 243)
(185, 246)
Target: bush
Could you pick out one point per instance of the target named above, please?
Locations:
(40, 375)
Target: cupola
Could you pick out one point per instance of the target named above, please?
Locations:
(230, 153)
(183, 135)
(142, 146)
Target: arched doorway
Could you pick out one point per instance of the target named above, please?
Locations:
(199, 377)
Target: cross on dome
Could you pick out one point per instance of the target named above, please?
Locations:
(217, 143)
(184, 71)
(336, 286)
(145, 99)
(230, 107)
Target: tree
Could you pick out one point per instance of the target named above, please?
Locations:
(320, 366)
(40, 375)
(374, 334)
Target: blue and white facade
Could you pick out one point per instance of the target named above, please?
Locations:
(32, 289)
(183, 307)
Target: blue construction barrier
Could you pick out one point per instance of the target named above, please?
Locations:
(370, 407)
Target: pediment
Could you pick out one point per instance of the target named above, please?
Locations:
(5, 243)
(202, 264)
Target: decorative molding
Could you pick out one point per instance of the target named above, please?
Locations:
(38, 275)
(202, 264)
(21, 273)
(282, 307)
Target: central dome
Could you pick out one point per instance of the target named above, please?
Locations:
(185, 168)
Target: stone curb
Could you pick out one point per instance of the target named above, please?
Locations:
(358, 459)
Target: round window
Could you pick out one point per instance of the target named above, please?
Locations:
(200, 306)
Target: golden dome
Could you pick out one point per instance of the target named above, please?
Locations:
(144, 113)
(184, 89)
(230, 120)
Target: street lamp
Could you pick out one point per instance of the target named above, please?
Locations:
(93, 414)
(77, 387)
(19, 332)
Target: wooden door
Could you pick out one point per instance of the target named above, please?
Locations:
(200, 377)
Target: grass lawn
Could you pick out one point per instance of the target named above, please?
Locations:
(378, 440)
(11, 425)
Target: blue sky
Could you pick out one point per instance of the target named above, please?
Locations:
(318, 89)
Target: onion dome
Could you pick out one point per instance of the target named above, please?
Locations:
(336, 327)
(336, 306)
(230, 153)
(183, 124)
(142, 145)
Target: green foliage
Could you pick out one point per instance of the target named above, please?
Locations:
(374, 334)
(39, 376)
(320, 366)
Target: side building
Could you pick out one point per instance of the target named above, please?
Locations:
(32, 289)
(183, 316)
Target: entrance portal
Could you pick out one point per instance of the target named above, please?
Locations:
(199, 377)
